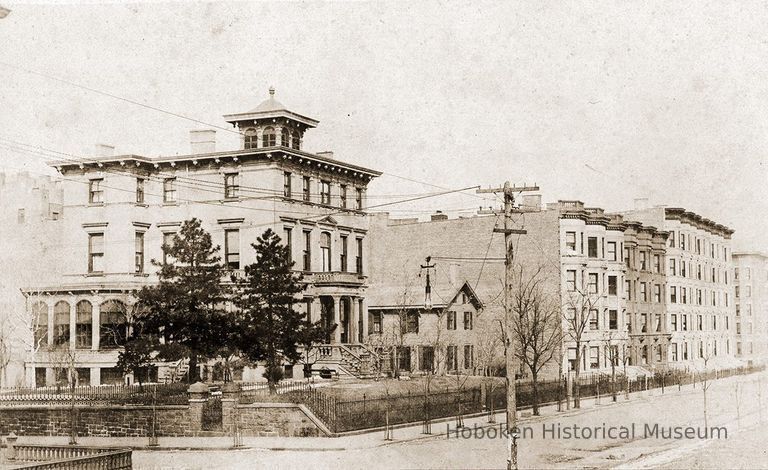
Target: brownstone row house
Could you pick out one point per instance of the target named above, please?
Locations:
(751, 295)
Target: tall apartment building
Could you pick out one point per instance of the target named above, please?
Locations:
(592, 271)
(30, 209)
(645, 287)
(590, 260)
(751, 293)
(121, 209)
(700, 290)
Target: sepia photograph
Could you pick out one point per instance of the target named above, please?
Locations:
(383, 234)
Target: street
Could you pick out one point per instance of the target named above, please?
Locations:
(542, 448)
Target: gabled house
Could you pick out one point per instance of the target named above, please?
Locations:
(414, 335)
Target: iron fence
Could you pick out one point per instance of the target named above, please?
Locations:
(146, 394)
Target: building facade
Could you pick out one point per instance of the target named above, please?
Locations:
(30, 213)
(121, 209)
(700, 288)
(645, 286)
(751, 295)
(592, 271)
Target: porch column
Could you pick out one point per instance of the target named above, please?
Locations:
(362, 307)
(336, 338)
(352, 320)
(316, 310)
(72, 323)
(95, 324)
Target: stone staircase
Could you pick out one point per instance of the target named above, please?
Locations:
(347, 360)
(170, 372)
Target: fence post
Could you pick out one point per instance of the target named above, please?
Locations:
(387, 429)
(198, 395)
(10, 441)
(626, 392)
(230, 393)
(597, 392)
(153, 429)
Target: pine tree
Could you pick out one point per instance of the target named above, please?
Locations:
(269, 328)
(186, 307)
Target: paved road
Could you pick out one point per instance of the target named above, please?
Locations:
(542, 448)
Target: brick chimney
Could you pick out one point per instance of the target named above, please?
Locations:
(438, 215)
(202, 141)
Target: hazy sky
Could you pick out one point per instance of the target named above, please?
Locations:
(603, 103)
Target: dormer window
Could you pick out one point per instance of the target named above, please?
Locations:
(296, 143)
(251, 139)
(285, 137)
(268, 139)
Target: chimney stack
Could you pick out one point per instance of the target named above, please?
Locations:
(531, 203)
(104, 150)
(438, 215)
(202, 141)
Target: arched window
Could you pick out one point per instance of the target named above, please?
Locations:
(60, 323)
(325, 250)
(268, 137)
(286, 137)
(40, 316)
(113, 328)
(296, 143)
(84, 325)
(251, 139)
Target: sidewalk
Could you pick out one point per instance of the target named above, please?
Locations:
(365, 440)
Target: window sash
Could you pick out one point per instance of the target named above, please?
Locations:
(231, 188)
(95, 193)
(287, 184)
(139, 252)
(169, 190)
(306, 188)
(307, 255)
(139, 190)
(232, 248)
(95, 252)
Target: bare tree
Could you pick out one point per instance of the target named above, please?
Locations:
(705, 383)
(6, 333)
(613, 356)
(32, 319)
(536, 324)
(490, 361)
(580, 302)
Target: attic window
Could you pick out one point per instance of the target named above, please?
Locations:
(251, 139)
(268, 139)
(285, 140)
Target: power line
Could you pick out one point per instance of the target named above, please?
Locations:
(111, 95)
(181, 116)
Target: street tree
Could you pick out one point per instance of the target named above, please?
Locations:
(186, 307)
(581, 300)
(269, 328)
(536, 325)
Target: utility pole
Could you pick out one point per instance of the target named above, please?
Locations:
(508, 192)
(428, 287)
